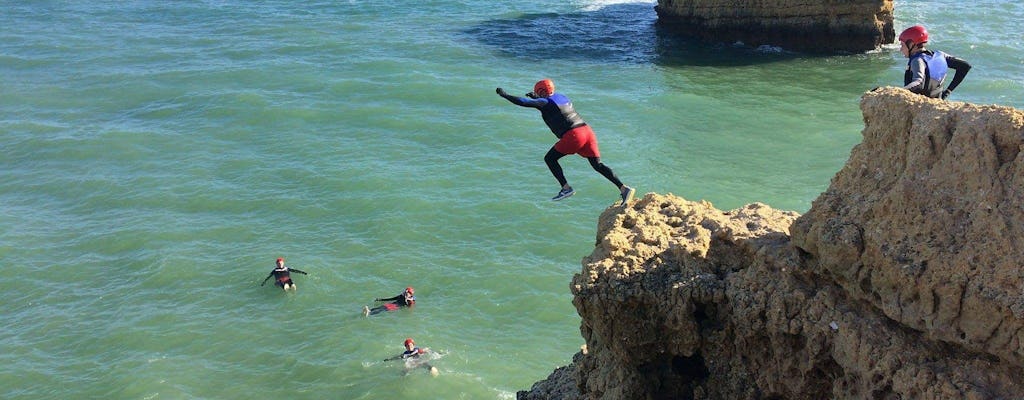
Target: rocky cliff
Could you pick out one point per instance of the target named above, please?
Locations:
(905, 279)
(817, 26)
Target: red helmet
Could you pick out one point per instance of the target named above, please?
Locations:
(409, 290)
(915, 35)
(280, 259)
(408, 341)
(544, 88)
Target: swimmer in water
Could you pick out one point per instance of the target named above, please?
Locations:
(413, 352)
(405, 299)
(282, 275)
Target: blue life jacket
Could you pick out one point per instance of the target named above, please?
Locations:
(936, 64)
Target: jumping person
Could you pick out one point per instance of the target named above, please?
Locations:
(926, 70)
(405, 299)
(413, 353)
(282, 276)
(574, 135)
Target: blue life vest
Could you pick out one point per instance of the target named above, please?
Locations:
(936, 62)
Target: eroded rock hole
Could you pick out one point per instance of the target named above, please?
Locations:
(700, 314)
(690, 369)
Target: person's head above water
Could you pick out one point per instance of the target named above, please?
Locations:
(280, 261)
(409, 290)
(409, 343)
(913, 39)
(544, 88)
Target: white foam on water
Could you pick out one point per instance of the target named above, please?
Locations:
(594, 5)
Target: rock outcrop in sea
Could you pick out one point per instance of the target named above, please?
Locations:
(905, 279)
(814, 26)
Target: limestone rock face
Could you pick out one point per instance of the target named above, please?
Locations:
(561, 384)
(926, 221)
(905, 279)
(817, 26)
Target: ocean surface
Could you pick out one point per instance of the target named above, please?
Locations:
(158, 156)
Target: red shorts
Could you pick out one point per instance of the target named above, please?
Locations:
(580, 141)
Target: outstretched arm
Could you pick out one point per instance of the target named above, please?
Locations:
(297, 270)
(961, 67)
(390, 298)
(522, 101)
(265, 279)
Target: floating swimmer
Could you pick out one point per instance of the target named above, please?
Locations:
(412, 355)
(404, 299)
(282, 276)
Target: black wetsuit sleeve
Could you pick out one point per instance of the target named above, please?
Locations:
(391, 298)
(961, 67)
(268, 277)
(297, 270)
(524, 101)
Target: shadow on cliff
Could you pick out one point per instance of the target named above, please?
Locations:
(619, 33)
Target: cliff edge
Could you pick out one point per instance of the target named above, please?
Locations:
(814, 26)
(903, 280)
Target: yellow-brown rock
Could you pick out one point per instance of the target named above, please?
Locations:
(819, 26)
(926, 221)
(903, 280)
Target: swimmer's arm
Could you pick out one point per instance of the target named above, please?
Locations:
(522, 101)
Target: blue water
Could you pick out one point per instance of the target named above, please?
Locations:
(158, 156)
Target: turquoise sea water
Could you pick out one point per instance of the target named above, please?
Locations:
(158, 156)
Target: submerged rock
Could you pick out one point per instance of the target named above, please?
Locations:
(903, 280)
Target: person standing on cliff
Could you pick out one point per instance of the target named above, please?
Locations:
(926, 70)
(574, 136)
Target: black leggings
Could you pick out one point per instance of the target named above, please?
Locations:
(551, 159)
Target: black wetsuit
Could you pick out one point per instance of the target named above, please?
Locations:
(918, 76)
(396, 303)
(282, 277)
(401, 300)
(561, 117)
(556, 110)
(416, 353)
